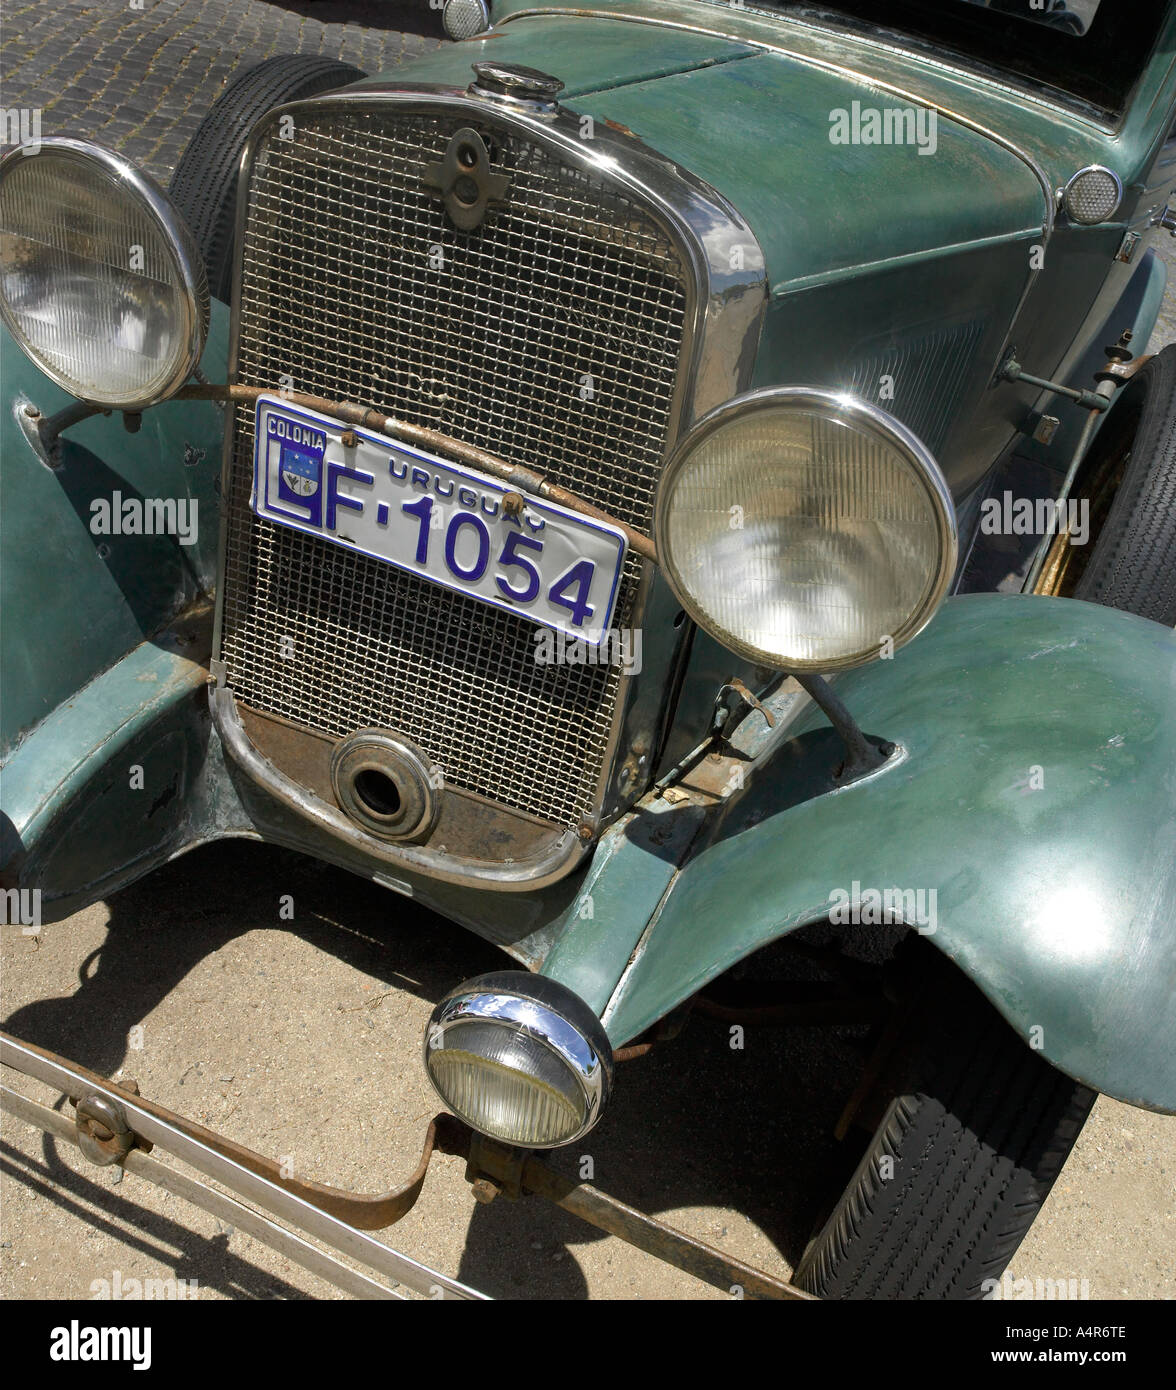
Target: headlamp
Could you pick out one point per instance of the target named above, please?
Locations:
(805, 530)
(100, 282)
(520, 1058)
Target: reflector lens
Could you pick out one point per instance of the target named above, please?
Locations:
(463, 19)
(1093, 195)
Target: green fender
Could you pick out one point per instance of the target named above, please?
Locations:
(1035, 793)
(76, 602)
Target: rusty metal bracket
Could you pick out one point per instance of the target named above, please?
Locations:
(727, 713)
(313, 1210)
(114, 1125)
(504, 1166)
(226, 1209)
(494, 1169)
(103, 1134)
(749, 699)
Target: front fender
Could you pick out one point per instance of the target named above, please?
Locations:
(77, 602)
(1036, 795)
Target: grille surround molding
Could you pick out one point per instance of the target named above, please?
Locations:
(726, 294)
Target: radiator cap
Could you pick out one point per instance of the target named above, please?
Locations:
(514, 82)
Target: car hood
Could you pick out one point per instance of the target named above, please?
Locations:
(781, 136)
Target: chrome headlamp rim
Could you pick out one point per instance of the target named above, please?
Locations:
(181, 246)
(457, 31)
(847, 406)
(498, 999)
(1064, 195)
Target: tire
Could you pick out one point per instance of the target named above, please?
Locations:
(1133, 563)
(204, 185)
(957, 1169)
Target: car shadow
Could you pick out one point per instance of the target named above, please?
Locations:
(207, 1260)
(732, 1122)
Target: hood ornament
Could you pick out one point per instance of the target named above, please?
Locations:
(464, 181)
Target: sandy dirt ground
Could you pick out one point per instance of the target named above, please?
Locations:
(302, 1039)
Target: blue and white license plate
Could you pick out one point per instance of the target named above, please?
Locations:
(440, 520)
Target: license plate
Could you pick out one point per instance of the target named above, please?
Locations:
(440, 520)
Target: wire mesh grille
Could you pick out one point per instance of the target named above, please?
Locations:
(551, 335)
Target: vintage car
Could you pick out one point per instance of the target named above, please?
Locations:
(641, 489)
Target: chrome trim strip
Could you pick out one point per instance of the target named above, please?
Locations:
(956, 248)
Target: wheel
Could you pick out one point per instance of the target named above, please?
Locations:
(975, 1128)
(1129, 482)
(204, 185)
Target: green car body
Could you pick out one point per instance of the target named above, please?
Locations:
(1034, 787)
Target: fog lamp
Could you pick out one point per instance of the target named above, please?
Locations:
(520, 1058)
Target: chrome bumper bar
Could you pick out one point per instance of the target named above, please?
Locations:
(114, 1124)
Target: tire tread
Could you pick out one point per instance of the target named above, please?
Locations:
(975, 1154)
(1133, 565)
(203, 185)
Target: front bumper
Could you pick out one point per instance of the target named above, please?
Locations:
(114, 1125)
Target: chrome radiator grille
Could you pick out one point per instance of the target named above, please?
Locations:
(551, 335)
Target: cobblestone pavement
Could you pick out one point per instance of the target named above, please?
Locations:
(141, 79)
